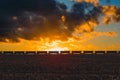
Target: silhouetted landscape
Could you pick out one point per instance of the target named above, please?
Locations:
(59, 39)
(66, 65)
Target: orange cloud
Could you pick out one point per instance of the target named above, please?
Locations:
(109, 34)
(86, 27)
(63, 18)
(84, 37)
(95, 2)
(111, 13)
(109, 10)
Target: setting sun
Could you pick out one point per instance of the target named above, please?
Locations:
(83, 25)
(57, 49)
(55, 45)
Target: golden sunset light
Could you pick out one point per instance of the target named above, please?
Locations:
(59, 39)
(71, 25)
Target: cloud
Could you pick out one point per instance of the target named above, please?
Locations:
(35, 19)
(111, 14)
(29, 19)
(87, 36)
(95, 2)
(81, 13)
(109, 34)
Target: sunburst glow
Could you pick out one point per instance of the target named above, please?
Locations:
(61, 26)
(58, 49)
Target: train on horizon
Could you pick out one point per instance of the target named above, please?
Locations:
(55, 52)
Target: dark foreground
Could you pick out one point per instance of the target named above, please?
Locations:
(60, 67)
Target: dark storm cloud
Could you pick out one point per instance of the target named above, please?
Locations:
(83, 12)
(30, 5)
(28, 19)
(32, 19)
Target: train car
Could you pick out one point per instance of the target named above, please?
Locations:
(64, 52)
(88, 52)
(30, 53)
(1, 52)
(100, 52)
(111, 52)
(118, 52)
(8, 53)
(41, 52)
(53, 52)
(19, 53)
(76, 52)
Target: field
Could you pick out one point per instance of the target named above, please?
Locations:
(60, 66)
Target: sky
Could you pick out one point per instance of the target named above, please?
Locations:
(59, 25)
